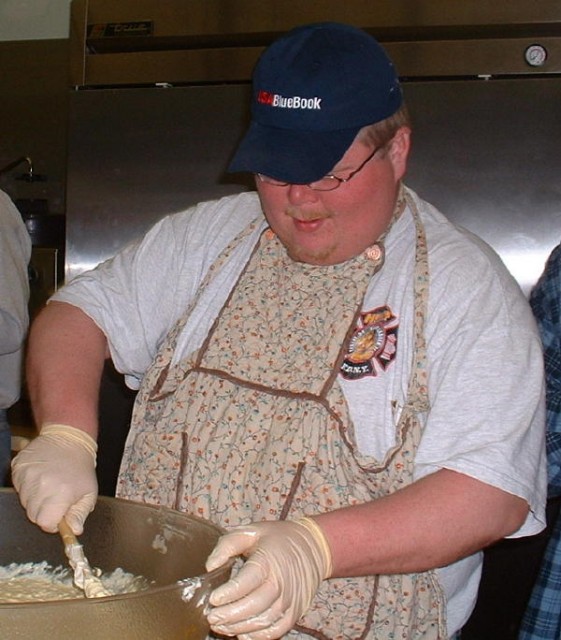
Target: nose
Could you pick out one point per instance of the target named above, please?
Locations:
(301, 193)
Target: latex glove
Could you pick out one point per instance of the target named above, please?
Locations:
(287, 562)
(55, 477)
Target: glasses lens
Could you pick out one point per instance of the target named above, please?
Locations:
(269, 180)
(327, 183)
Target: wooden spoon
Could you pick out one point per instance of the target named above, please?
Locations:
(84, 578)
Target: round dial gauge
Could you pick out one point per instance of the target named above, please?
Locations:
(535, 55)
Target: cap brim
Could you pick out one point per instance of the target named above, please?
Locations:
(297, 157)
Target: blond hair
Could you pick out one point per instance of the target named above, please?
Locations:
(380, 133)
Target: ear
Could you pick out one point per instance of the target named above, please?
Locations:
(399, 151)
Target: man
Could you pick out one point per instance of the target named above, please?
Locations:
(327, 362)
(15, 251)
(542, 619)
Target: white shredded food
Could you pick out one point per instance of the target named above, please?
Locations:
(39, 581)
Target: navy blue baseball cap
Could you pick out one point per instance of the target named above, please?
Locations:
(313, 90)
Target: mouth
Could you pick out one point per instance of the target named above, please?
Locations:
(307, 221)
(308, 225)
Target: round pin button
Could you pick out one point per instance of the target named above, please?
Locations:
(374, 253)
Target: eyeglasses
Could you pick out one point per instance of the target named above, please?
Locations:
(327, 183)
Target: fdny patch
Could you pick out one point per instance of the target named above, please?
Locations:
(373, 344)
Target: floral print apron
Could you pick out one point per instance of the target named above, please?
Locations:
(254, 426)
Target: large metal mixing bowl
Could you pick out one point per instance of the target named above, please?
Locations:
(158, 543)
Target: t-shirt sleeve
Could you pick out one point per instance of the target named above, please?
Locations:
(486, 387)
(131, 298)
(137, 296)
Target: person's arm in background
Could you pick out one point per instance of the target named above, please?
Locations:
(15, 251)
(545, 301)
(55, 474)
(542, 614)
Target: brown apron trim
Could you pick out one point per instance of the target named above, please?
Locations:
(155, 394)
(302, 395)
(417, 387)
(314, 633)
(293, 489)
(184, 455)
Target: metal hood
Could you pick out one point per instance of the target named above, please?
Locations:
(146, 42)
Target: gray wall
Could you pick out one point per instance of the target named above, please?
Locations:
(34, 19)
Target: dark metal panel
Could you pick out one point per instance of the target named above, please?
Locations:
(174, 67)
(484, 152)
(221, 17)
(412, 60)
(470, 58)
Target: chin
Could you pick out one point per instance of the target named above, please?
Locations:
(319, 258)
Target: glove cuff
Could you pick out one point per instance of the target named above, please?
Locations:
(322, 545)
(72, 434)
